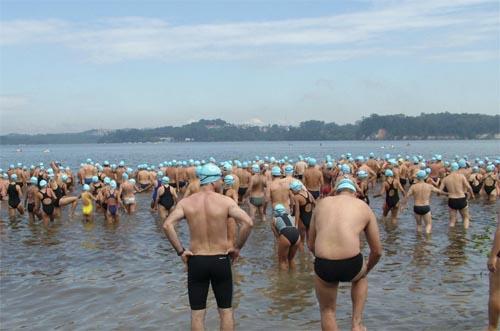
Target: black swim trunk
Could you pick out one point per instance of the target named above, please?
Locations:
(333, 271)
(204, 270)
(402, 181)
(14, 203)
(299, 177)
(291, 233)
(315, 194)
(182, 183)
(421, 210)
(31, 207)
(457, 203)
(242, 191)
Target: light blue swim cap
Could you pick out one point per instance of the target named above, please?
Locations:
(490, 168)
(107, 180)
(34, 180)
(311, 162)
(389, 173)
(329, 165)
(288, 169)
(197, 163)
(360, 158)
(95, 179)
(5, 176)
(371, 155)
(19, 165)
(276, 171)
(439, 157)
(462, 163)
(86, 187)
(454, 166)
(13, 177)
(345, 169)
(428, 170)
(159, 174)
(228, 167)
(229, 180)
(475, 169)
(209, 173)
(255, 169)
(345, 184)
(106, 163)
(362, 174)
(296, 186)
(50, 171)
(421, 175)
(279, 209)
(64, 178)
(89, 161)
(211, 159)
(125, 176)
(43, 183)
(244, 164)
(113, 184)
(165, 180)
(132, 181)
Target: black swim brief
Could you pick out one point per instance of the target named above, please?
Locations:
(315, 194)
(242, 191)
(421, 210)
(210, 269)
(291, 233)
(333, 271)
(457, 203)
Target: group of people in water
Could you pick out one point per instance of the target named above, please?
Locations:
(323, 205)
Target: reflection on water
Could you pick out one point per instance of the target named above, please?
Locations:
(77, 274)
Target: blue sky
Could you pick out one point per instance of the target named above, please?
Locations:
(76, 65)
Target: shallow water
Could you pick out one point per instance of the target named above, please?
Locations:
(126, 276)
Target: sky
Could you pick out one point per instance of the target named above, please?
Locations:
(68, 66)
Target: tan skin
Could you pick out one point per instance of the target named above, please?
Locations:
(421, 192)
(279, 192)
(256, 189)
(336, 225)
(300, 199)
(32, 197)
(457, 185)
(286, 251)
(19, 208)
(127, 190)
(244, 177)
(391, 181)
(46, 218)
(494, 268)
(489, 179)
(193, 187)
(163, 212)
(64, 200)
(172, 174)
(144, 181)
(207, 214)
(313, 179)
(231, 223)
(110, 201)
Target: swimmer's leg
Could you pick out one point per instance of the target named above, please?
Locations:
(198, 320)
(132, 208)
(291, 254)
(20, 209)
(252, 211)
(494, 299)
(428, 222)
(394, 214)
(302, 232)
(418, 219)
(283, 250)
(359, 292)
(465, 216)
(453, 217)
(226, 319)
(327, 298)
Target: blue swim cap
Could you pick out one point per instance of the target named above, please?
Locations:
(228, 167)
(106, 163)
(229, 180)
(86, 187)
(165, 180)
(43, 183)
(209, 173)
(11, 166)
(288, 169)
(428, 170)
(311, 162)
(50, 171)
(296, 186)
(329, 165)
(490, 168)
(13, 177)
(125, 176)
(107, 180)
(360, 158)
(475, 169)
(132, 181)
(276, 171)
(439, 157)
(113, 184)
(211, 159)
(454, 166)
(371, 155)
(95, 179)
(34, 180)
(279, 209)
(345, 184)
(64, 178)
(421, 175)
(362, 174)
(462, 163)
(89, 161)
(255, 169)
(345, 169)
(159, 174)
(389, 173)
(5, 176)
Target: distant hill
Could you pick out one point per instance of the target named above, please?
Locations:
(389, 127)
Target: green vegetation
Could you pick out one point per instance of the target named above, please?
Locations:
(391, 127)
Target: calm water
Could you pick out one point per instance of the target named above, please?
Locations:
(94, 276)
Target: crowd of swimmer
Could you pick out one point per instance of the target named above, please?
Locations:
(259, 183)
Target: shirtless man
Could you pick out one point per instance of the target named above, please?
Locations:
(328, 174)
(457, 185)
(182, 178)
(244, 177)
(127, 192)
(494, 267)
(437, 170)
(31, 201)
(229, 191)
(300, 168)
(144, 179)
(421, 191)
(172, 174)
(256, 192)
(208, 258)
(87, 172)
(334, 240)
(107, 171)
(278, 191)
(119, 171)
(374, 166)
(313, 179)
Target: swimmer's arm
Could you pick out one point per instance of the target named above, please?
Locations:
(244, 221)
(273, 227)
(169, 227)
(492, 260)
(158, 194)
(312, 233)
(438, 191)
(468, 187)
(373, 239)
(174, 194)
(401, 188)
(20, 192)
(296, 207)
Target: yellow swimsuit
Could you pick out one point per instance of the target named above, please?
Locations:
(87, 209)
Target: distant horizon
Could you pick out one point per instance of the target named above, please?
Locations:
(232, 123)
(67, 66)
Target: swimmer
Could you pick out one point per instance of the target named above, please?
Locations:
(334, 235)
(303, 209)
(144, 179)
(244, 177)
(313, 178)
(421, 191)
(87, 203)
(60, 191)
(490, 184)
(31, 202)
(228, 190)
(457, 185)
(362, 183)
(47, 198)
(209, 257)
(300, 168)
(166, 198)
(287, 236)
(391, 188)
(257, 191)
(328, 175)
(113, 201)
(279, 191)
(127, 193)
(15, 195)
(476, 180)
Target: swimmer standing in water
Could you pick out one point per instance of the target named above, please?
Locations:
(87, 204)
(287, 236)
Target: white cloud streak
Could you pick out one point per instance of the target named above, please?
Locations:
(455, 26)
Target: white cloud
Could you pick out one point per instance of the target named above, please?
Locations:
(13, 103)
(451, 23)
